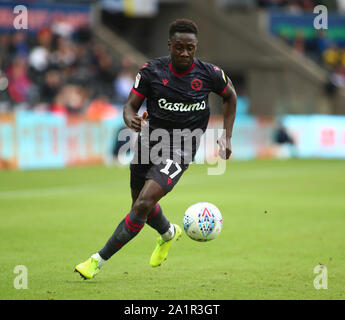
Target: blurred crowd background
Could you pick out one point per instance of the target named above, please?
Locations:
(289, 76)
(62, 70)
(321, 48)
(299, 6)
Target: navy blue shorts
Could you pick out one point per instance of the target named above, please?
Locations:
(165, 174)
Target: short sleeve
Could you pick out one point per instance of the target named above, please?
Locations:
(220, 80)
(142, 82)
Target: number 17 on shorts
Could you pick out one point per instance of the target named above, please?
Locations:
(173, 170)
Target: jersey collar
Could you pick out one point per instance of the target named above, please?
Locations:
(181, 74)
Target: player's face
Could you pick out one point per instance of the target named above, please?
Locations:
(182, 47)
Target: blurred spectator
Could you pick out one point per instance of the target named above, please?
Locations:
(281, 135)
(39, 59)
(122, 85)
(20, 44)
(332, 56)
(4, 98)
(101, 109)
(5, 48)
(40, 54)
(322, 43)
(53, 82)
(308, 5)
(83, 67)
(124, 81)
(285, 144)
(105, 70)
(62, 28)
(83, 35)
(45, 38)
(338, 76)
(64, 55)
(294, 7)
(299, 44)
(19, 83)
(71, 99)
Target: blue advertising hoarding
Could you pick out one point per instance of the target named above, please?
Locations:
(317, 136)
(40, 139)
(32, 140)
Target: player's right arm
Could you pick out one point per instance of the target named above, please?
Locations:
(140, 90)
(130, 112)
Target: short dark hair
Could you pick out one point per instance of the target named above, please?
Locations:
(184, 26)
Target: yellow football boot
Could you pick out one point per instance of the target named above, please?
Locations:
(161, 251)
(88, 269)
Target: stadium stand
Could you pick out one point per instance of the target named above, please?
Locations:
(61, 72)
(85, 73)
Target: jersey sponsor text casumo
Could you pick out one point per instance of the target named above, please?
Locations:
(182, 107)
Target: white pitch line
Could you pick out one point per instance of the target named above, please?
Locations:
(56, 190)
(76, 188)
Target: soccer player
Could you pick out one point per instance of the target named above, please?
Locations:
(176, 88)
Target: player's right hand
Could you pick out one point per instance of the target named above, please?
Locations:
(138, 122)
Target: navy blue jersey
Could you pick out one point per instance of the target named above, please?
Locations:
(178, 101)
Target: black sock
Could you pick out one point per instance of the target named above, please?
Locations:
(128, 228)
(157, 220)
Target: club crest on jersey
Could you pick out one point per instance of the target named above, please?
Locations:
(196, 84)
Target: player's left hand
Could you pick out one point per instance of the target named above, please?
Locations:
(224, 147)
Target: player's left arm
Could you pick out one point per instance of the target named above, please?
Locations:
(229, 112)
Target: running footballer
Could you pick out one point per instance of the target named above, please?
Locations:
(176, 88)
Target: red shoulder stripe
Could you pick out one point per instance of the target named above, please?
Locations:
(222, 93)
(138, 93)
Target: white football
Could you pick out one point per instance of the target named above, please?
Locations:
(202, 221)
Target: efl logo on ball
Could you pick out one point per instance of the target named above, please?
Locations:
(203, 221)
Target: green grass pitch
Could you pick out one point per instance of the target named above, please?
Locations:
(281, 219)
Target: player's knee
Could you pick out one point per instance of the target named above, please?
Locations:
(142, 206)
